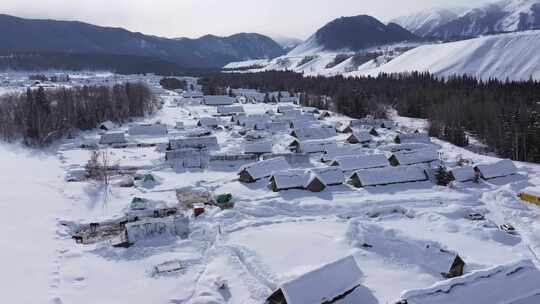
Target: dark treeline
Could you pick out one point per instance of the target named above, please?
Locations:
(41, 115)
(502, 114)
(121, 64)
(171, 83)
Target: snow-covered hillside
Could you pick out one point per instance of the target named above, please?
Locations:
(426, 21)
(499, 16)
(514, 56)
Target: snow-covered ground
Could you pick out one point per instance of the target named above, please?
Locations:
(266, 239)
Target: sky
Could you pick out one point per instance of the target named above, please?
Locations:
(194, 18)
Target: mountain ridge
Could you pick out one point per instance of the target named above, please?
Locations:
(75, 37)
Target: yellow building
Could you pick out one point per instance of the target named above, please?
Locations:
(531, 195)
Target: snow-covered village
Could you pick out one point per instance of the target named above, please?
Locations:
(379, 172)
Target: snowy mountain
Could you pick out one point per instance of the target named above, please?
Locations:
(513, 55)
(426, 21)
(287, 43)
(501, 16)
(353, 34)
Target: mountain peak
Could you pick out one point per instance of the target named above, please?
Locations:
(359, 32)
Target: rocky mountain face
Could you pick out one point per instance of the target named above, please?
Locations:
(496, 17)
(359, 32)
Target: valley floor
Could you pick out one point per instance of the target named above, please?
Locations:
(266, 239)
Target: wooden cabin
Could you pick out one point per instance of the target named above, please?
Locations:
(359, 137)
(296, 179)
(256, 171)
(328, 284)
(387, 176)
(501, 168)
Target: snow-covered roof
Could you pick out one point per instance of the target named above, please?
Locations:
(292, 99)
(314, 146)
(390, 175)
(291, 179)
(253, 119)
(112, 138)
(329, 175)
(209, 122)
(259, 147)
(413, 138)
(266, 167)
(314, 132)
(323, 284)
(360, 136)
(216, 100)
(517, 282)
(463, 174)
(107, 125)
(286, 108)
(193, 142)
(358, 162)
(148, 129)
(230, 109)
(501, 168)
(332, 152)
(192, 94)
(406, 147)
(416, 157)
